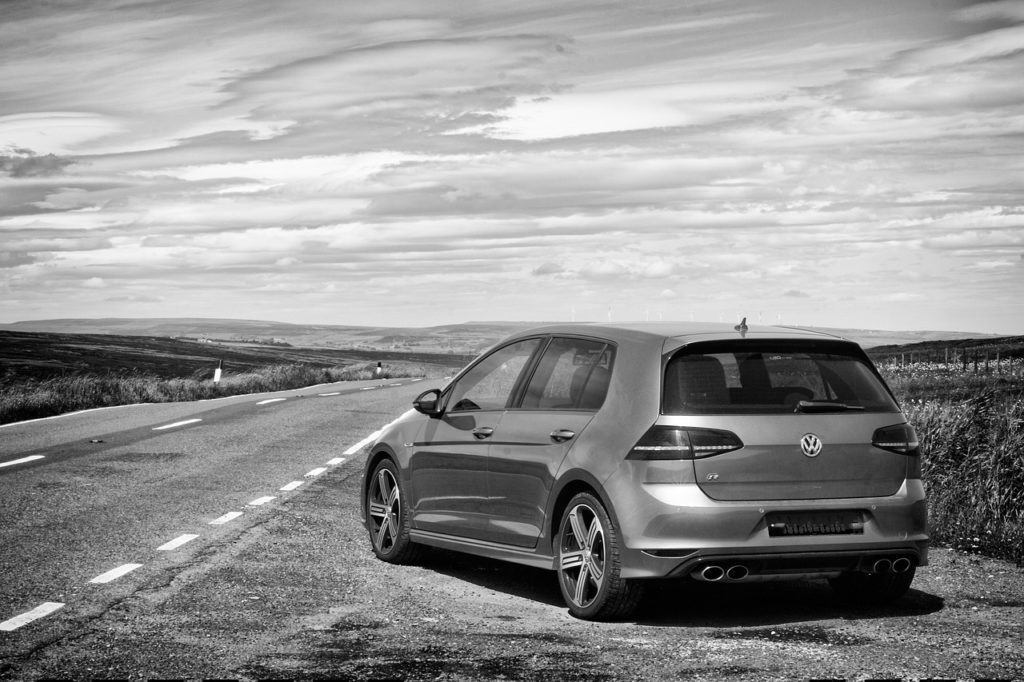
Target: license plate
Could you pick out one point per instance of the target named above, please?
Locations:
(815, 523)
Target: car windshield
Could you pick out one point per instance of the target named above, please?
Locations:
(772, 377)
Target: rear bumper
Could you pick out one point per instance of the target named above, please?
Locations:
(715, 566)
(674, 530)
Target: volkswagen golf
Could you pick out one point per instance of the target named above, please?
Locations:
(615, 454)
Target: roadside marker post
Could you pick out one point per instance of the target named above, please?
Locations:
(216, 372)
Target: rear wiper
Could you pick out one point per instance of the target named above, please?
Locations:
(824, 406)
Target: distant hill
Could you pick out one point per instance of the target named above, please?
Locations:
(869, 338)
(463, 338)
(41, 355)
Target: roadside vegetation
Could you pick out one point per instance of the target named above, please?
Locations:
(971, 429)
(31, 398)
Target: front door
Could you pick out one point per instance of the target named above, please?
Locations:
(534, 436)
(448, 467)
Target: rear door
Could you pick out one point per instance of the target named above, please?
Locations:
(805, 412)
(566, 389)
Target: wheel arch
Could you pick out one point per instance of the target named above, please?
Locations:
(575, 482)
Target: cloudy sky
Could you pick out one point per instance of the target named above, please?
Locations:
(402, 162)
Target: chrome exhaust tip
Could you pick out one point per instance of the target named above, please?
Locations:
(737, 572)
(901, 565)
(712, 573)
(882, 566)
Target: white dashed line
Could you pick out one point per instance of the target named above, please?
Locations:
(230, 516)
(324, 395)
(368, 388)
(171, 426)
(44, 609)
(394, 384)
(115, 573)
(363, 443)
(270, 400)
(22, 460)
(176, 543)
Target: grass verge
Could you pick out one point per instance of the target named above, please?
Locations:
(972, 456)
(22, 399)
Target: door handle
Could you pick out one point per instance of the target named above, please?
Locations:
(562, 435)
(482, 432)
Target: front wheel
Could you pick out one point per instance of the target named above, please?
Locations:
(387, 519)
(589, 567)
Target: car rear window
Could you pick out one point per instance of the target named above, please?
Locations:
(759, 377)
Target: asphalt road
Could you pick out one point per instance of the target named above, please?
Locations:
(290, 589)
(102, 506)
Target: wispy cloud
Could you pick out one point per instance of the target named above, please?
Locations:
(834, 163)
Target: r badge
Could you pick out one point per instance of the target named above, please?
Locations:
(810, 444)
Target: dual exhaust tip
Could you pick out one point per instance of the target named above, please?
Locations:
(714, 573)
(900, 565)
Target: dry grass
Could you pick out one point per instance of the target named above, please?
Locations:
(22, 399)
(971, 429)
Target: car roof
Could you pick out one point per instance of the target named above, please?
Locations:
(681, 332)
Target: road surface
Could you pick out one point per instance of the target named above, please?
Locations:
(140, 543)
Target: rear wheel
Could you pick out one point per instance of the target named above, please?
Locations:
(871, 589)
(589, 566)
(387, 519)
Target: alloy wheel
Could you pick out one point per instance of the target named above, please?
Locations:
(583, 556)
(385, 506)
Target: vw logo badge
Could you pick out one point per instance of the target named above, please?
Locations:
(811, 445)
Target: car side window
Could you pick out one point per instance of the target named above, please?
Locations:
(489, 384)
(573, 374)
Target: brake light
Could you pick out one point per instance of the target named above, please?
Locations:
(678, 442)
(901, 439)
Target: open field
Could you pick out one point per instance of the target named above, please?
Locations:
(44, 355)
(465, 338)
(967, 404)
(468, 338)
(48, 374)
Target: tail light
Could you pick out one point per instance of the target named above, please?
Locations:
(680, 442)
(901, 439)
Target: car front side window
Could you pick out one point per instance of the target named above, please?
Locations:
(489, 384)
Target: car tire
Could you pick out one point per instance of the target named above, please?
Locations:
(871, 589)
(589, 567)
(387, 518)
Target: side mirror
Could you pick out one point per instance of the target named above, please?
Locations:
(427, 403)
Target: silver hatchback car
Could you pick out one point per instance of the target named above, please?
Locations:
(617, 453)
